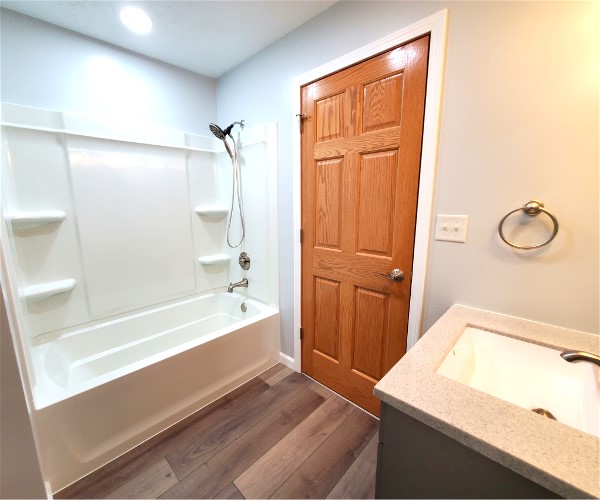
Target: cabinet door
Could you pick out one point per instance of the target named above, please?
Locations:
(416, 461)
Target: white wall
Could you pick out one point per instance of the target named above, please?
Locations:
(48, 67)
(519, 122)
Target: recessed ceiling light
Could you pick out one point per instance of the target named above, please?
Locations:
(136, 20)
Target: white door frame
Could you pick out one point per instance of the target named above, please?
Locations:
(435, 25)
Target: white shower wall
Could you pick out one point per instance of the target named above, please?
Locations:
(133, 220)
(131, 237)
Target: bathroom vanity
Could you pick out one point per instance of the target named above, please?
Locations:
(445, 435)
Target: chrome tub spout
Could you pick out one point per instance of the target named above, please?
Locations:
(243, 283)
(576, 356)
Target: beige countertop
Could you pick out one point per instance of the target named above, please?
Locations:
(557, 457)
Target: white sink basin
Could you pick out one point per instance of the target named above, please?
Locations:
(527, 375)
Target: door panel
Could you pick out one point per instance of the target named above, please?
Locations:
(370, 332)
(327, 314)
(330, 118)
(361, 146)
(328, 210)
(375, 202)
(382, 103)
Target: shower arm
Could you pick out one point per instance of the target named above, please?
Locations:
(227, 131)
(241, 123)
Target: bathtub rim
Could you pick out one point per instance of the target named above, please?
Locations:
(83, 328)
(42, 398)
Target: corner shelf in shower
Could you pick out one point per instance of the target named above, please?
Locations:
(25, 220)
(45, 290)
(215, 211)
(218, 259)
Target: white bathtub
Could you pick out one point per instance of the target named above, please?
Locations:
(102, 390)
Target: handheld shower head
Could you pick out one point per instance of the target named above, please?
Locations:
(217, 131)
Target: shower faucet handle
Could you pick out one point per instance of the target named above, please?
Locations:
(244, 261)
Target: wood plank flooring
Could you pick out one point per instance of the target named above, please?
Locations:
(280, 435)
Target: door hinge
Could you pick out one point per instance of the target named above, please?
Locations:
(301, 235)
(301, 333)
(301, 117)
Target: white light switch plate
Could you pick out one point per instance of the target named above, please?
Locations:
(451, 228)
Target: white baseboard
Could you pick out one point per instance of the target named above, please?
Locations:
(48, 490)
(287, 361)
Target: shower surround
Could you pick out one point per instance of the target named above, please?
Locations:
(117, 269)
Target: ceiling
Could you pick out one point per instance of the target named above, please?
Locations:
(207, 37)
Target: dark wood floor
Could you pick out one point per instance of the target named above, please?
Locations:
(281, 435)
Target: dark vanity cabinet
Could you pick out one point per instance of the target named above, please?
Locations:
(417, 461)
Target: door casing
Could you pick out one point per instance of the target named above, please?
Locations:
(436, 26)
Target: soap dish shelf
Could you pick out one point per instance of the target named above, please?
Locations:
(217, 211)
(219, 259)
(43, 291)
(25, 220)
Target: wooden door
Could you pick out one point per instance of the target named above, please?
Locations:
(361, 150)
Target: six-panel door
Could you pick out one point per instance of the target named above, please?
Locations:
(361, 146)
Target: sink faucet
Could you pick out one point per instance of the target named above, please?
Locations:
(576, 356)
(243, 283)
